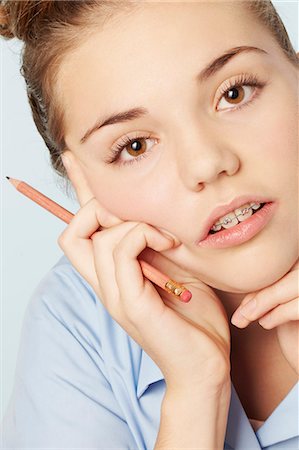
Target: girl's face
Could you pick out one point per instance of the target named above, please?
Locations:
(193, 147)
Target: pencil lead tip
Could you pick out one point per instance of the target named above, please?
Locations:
(8, 178)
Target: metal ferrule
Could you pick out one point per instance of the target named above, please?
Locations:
(174, 288)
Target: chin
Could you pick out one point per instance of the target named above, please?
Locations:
(254, 275)
(255, 272)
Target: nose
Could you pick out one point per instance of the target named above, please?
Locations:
(203, 157)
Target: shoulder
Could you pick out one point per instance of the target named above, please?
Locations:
(64, 294)
(63, 394)
(65, 309)
(63, 288)
(65, 312)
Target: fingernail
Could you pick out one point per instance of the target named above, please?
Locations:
(170, 236)
(248, 308)
(238, 320)
(66, 161)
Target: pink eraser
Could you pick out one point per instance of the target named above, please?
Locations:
(186, 296)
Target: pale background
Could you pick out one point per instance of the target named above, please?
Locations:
(29, 233)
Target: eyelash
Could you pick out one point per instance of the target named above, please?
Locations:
(120, 146)
(242, 80)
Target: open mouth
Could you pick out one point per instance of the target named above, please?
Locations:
(253, 212)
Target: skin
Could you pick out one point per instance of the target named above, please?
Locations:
(203, 157)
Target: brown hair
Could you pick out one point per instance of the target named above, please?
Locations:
(50, 29)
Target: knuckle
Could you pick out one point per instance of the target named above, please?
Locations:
(92, 201)
(139, 227)
(88, 206)
(103, 240)
(144, 227)
(120, 250)
(99, 237)
(140, 230)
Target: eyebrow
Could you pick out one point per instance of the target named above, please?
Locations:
(208, 71)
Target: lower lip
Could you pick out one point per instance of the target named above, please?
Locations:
(243, 231)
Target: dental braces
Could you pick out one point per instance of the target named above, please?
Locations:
(229, 220)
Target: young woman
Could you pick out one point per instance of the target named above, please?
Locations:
(177, 125)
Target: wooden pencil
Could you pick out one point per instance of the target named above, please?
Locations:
(150, 272)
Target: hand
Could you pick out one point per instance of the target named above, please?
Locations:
(276, 306)
(190, 342)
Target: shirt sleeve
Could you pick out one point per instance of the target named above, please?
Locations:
(62, 397)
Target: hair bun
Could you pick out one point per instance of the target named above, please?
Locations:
(23, 19)
(5, 30)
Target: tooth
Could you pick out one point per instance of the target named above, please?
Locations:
(216, 227)
(255, 205)
(229, 221)
(243, 212)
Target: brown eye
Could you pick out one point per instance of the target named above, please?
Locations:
(237, 95)
(234, 95)
(239, 92)
(136, 148)
(130, 149)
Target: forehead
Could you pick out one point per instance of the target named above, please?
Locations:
(134, 57)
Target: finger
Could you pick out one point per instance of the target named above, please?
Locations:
(80, 254)
(281, 314)
(237, 318)
(83, 261)
(265, 300)
(104, 243)
(78, 247)
(251, 295)
(77, 178)
(127, 267)
(90, 218)
(76, 243)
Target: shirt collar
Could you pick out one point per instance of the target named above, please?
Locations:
(239, 432)
(281, 425)
(286, 413)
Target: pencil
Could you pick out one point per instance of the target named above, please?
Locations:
(150, 272)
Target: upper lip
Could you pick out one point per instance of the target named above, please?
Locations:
(222, 210)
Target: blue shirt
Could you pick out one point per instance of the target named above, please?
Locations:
(82, 382)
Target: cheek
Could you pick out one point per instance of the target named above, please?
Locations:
(274, 140)
(142, 201)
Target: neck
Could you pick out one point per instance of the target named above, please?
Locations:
(253, 333)
(230, 301)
